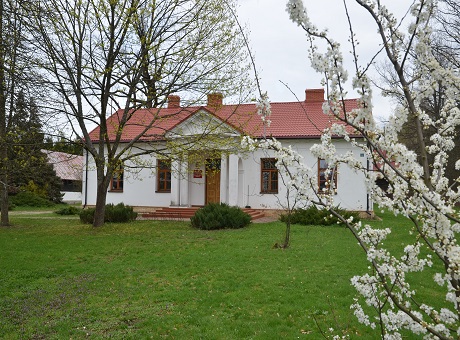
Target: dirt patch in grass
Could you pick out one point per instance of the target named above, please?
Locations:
(60, 297)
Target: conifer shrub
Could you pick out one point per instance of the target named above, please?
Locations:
(68, 210)
(119, 213)
(314, 216)
(29, 199)
(87, 215)
(220, 216)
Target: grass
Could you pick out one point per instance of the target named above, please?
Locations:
(159, 279)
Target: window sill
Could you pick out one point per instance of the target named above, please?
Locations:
(116, 190)
(163, 191)
(327, 193)
(269, 192)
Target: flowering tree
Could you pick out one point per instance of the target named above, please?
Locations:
(418, 189)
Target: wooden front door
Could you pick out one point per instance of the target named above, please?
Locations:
(212, 181)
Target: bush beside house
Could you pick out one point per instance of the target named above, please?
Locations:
(220, 216)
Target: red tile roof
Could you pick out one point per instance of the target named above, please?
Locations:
(288, 120)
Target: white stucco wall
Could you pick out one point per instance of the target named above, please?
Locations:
(351, 189)
(241, 183)
(71, 197)
(139, 185)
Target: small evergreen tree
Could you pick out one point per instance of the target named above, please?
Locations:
(65, 144)
(28, 167)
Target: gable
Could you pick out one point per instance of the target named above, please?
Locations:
(202, 123)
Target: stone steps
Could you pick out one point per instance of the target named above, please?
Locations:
(187, 213)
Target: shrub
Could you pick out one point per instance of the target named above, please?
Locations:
(32, 187)
(29, 199)
(69, 210)
(315, 216)
(87, 215)
(48, 186)
(113, 213)
(119, 213)
(220, 216)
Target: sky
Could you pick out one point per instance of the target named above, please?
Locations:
(280, 47)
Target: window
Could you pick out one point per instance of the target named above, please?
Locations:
(163, 175)
(269, 176)
(71, 185)
(117, 179)
(325, 182)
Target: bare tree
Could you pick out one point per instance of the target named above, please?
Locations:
(445, 46)
(102, 56)
(3, 96)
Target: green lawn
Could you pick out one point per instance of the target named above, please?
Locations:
(158, 279)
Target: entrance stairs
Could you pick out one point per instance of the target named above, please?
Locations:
(187, 212)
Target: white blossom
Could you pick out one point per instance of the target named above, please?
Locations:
(428, 202)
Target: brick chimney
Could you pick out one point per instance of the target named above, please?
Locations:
(173, 101)
(314, 95)
(215, 100)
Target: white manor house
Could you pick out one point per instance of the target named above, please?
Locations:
(214, 169)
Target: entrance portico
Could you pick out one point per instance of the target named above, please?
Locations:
(195, 184)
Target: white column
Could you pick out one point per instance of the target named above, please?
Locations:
(175, 182)
(184, 184)
(233, 180)
(223, 179)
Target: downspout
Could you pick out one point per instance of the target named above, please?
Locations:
(178, 183)
(86, 179)
(367, 195)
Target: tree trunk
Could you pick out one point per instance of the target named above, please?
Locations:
(4, 202)
(3, 151)
(287, 236)
(103, 181)
(100, 206)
